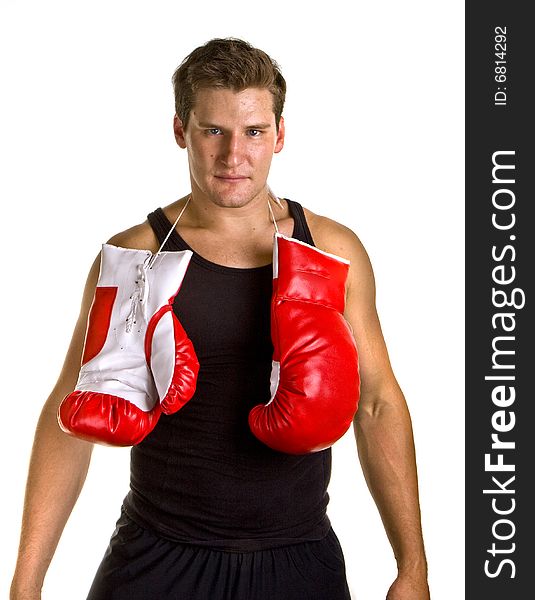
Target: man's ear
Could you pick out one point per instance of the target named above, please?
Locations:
(179, 132)
(279, 145)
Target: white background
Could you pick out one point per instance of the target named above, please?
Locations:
(375, 139)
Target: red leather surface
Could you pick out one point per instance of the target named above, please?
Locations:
(319, 385)
(309, 275)
(105, 419)
(98, 322)
(184, 379)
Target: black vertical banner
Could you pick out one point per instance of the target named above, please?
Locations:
(500, 329)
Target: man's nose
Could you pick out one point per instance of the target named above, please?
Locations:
(233, 150)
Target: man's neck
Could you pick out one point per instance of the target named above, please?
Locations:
(205, 214)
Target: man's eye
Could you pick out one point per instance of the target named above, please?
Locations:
(213, 130)
(254, 132)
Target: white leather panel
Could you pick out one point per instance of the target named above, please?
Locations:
(163, 354)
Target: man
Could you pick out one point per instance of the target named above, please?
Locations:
(213, 513)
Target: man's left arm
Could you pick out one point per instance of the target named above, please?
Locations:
(382, 425)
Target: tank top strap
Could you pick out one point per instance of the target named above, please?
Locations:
(301, 230)
(161, 225)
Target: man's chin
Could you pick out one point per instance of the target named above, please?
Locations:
(233, 200)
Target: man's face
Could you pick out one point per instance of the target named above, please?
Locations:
(231, 138)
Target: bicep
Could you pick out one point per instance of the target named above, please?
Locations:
(361, 313)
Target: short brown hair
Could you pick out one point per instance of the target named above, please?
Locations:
(228, 63)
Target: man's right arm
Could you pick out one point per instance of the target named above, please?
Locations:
(58, 468)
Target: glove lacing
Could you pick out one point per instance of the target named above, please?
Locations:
(141, 291)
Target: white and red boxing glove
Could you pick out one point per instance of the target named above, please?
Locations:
(137, 360)
(315, 381)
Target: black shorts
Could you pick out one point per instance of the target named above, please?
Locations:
(139, 565)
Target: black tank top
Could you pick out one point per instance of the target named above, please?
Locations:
(201, 476)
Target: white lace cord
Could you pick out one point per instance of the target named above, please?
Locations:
(153, 258)
(274, 196)
(138, 298)
(271, 210)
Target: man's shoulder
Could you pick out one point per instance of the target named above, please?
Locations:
(139, 237)
(333, 237)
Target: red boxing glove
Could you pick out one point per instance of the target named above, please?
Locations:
(137, 360)
(315, 381)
